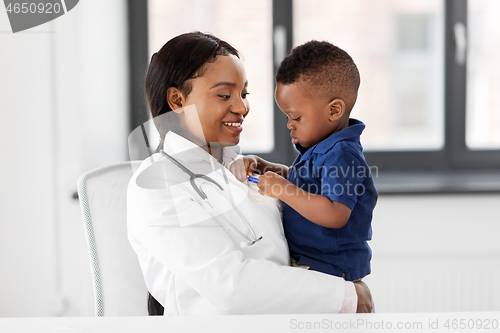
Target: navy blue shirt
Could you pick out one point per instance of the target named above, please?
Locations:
(335, 168)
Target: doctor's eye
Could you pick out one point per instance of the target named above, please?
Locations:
(245, 95)
(225, 96)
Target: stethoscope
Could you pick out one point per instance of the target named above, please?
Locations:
(192, 177)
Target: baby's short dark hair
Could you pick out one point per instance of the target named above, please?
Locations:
(329, 69)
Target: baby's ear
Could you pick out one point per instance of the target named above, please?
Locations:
(175, 99)
(337, 109)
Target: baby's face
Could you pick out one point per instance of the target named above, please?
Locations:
(308, 118)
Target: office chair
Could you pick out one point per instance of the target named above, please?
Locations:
(119, 287)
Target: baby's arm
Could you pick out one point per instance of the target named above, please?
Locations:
(314, 207)
(242, 167)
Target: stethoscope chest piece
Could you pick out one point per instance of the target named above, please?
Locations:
(192, 177)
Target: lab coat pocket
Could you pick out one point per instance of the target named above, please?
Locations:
(189, 210)
(174, 207)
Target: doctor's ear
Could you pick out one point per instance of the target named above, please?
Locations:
(175, 99)
(337, 109)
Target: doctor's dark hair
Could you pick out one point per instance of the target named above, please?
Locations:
(329, 70)
(181, 59)
(154, 307)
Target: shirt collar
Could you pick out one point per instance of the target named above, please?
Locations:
(189, 152)
(352, 132)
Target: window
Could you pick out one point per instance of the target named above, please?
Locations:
(398, 48)
(429, 71)
(483, 75)
(244, 24)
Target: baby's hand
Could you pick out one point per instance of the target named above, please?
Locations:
(244, 166)
(272, 184)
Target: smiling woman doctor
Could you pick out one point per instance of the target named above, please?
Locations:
(226, 254)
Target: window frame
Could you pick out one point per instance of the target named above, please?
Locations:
(453, 157)
(138, 61)
(460, 156)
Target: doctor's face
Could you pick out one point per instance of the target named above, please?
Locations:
(220, 97)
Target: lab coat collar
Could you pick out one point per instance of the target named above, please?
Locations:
(177, 145)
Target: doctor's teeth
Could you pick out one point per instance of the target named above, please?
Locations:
(232, 124)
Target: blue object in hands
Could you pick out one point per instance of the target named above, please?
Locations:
(253, 179)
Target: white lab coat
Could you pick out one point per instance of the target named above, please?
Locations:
(192, 260)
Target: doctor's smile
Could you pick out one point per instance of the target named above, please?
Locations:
(234, 125)
(219, 93)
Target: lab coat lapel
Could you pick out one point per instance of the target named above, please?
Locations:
(200, 162)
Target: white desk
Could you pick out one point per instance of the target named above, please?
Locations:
(408, 322)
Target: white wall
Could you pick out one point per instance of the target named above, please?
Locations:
(64, 105)
(436, 253)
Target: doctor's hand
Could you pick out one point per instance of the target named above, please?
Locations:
(365, 304)
(272, 185)
(243, 166)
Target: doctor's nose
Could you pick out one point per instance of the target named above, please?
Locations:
(240, 107)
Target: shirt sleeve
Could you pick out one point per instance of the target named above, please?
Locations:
(204, 257)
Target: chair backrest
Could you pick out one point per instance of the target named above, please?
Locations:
(119, 287)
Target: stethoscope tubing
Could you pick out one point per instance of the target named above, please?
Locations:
(192, 176)
(204, 197)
